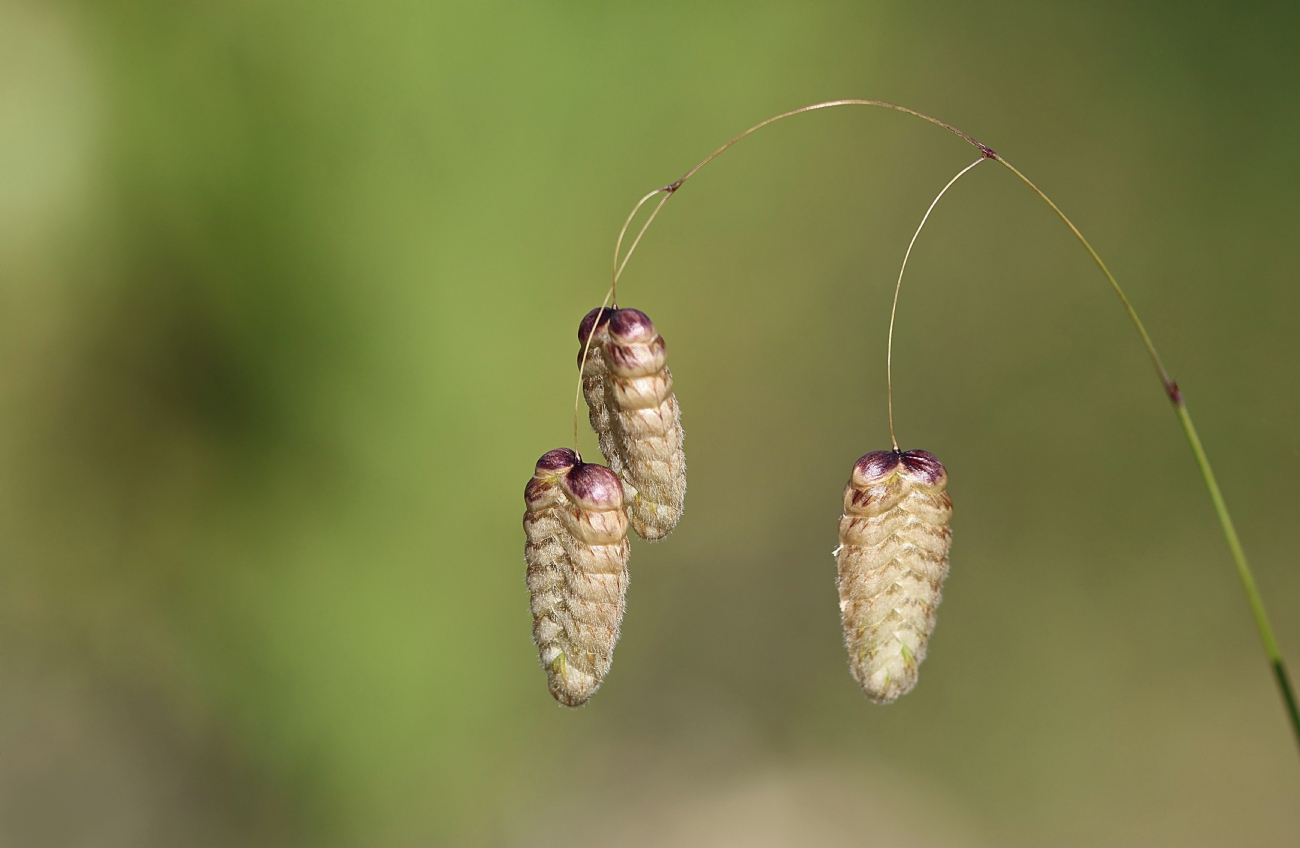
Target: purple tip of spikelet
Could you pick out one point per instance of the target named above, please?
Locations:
(922, 467)
(592, 320)
(631, 325)
(595, 487)
(560, 459)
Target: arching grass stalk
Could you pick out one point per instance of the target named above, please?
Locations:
(1203, 463)
(1170, 387)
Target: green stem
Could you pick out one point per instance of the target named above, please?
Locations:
(1243, 568)
(1207, 473)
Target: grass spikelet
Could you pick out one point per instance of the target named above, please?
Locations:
(893, 557)
(577, 552)
(633, 409)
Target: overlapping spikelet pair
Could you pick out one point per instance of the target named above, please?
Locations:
(894, 536)
(578, 513)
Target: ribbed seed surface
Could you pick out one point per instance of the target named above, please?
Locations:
(634, 412)
(893, 557)
(577, 551)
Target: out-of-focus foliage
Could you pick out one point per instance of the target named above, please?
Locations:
(288, 300)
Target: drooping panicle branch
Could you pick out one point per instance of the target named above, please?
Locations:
(1168, 385)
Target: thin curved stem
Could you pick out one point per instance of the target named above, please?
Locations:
(1170, 387)
(618, 245)
(1175, 395)
(582, 366)
(611, 296)
(830, 104)
(893, 310)
(671, 189)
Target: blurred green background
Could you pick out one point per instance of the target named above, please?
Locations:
(288, 302)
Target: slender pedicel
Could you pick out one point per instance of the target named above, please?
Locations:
(893, 310)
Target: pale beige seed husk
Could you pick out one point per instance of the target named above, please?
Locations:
(893, 557)
(577, 578)
(633, 409)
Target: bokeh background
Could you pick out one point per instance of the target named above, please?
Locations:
(288, 302)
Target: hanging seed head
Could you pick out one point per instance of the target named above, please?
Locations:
(577, 551)
(629, 392)
(893, 557)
